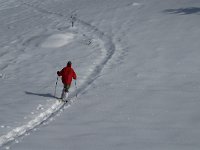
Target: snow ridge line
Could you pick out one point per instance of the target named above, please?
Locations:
(107, 53)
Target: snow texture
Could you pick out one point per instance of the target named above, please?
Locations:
(138, 74)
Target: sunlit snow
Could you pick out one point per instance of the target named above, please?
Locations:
(138, 72)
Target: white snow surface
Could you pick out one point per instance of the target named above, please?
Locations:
(137, 63)
(57, 40)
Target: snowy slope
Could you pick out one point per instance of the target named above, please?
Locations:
(138, 74)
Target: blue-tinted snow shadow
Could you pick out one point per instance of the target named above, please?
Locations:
(184, 11)
(39, 94)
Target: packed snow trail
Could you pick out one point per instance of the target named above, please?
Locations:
(22, 130)
(107, 51)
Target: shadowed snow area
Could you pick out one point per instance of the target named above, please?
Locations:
(57, 40)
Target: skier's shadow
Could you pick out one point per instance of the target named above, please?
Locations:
(39, 94)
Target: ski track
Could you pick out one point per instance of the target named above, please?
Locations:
(108, 50)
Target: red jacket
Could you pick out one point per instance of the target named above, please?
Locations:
(67, 74)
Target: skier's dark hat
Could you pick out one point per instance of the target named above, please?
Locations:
(69, 63)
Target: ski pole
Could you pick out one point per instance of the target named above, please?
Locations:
(56, 87)
(76, 89)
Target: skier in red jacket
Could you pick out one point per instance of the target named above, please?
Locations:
(67, 73)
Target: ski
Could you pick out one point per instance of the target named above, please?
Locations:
(61, 100)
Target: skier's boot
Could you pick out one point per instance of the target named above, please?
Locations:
(64, 95)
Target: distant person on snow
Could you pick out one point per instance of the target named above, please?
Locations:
(67, 73)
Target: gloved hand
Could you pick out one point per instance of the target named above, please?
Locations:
(58, 72)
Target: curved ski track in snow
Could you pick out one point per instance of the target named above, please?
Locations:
(107, 53)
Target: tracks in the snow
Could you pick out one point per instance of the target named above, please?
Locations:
(107, 51)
